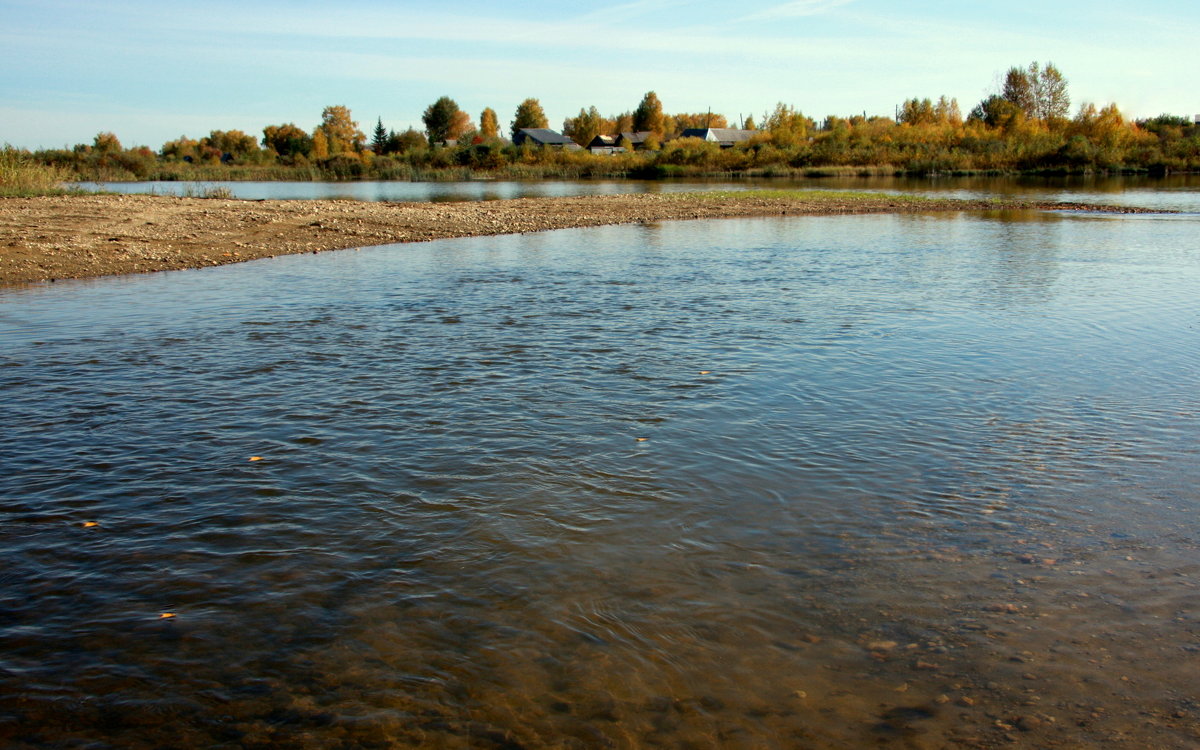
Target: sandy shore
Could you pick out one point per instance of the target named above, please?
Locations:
(80, 236)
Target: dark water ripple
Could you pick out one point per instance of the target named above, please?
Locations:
(584, 488)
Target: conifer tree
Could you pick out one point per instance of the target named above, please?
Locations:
(379, 138)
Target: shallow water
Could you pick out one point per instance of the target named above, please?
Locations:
(822, 482)
(1174, 193)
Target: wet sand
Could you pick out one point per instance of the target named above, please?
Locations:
(81, 236)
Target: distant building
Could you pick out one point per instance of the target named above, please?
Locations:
(1198, 119)
(611, 144)
(637, 138)
(724, 137)
(545, 138)
(604, 144)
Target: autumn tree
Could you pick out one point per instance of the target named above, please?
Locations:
(489, 124)
(106, 143)
(529, 114)
(686, 120)
(947, 111)
(649, 115)
(925, 112)
(460, 125)
(622, 123)
(181, 149)
(341, 133)
(748, 124)
(916, 112)
(231, 143)
(288, 141)
(585, 126)
(788, 126)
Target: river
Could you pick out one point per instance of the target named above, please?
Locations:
(922, 480)
(1174, 193)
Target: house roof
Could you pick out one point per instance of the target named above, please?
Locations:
(545, 136)
(719, 135)
(602, 141)
(636, 137)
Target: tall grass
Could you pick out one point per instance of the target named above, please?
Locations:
(22, 175)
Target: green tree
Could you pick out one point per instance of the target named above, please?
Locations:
(997, 112)
(340, 130)
(409, 140)
(379, 137)
(439, 119)
(1040, 93)
(489, 124)
(649, 115)
(529, 114)
(1019, 89)
(1053, 101)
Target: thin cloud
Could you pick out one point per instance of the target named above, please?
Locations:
(796, 9)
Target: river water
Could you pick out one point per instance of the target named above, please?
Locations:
(1174, 193)
(920, 481)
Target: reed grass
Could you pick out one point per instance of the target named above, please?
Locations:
(22, 176)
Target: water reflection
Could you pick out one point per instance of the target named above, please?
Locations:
(823, 482)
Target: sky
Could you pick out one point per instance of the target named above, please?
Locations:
(153, 70)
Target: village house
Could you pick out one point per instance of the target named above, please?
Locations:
(724, 137)
(604, 144)
(611, 144)
(544, 138)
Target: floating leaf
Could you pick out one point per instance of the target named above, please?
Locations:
(642, 440)
(256, 458)
(706, 372)
(90, 524)
(166, 615)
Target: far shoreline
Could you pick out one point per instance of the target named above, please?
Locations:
(48, 238)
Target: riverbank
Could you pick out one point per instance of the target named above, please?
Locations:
(81, 236)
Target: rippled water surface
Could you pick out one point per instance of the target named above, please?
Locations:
(924, 481)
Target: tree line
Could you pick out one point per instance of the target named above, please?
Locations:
(1025, 125)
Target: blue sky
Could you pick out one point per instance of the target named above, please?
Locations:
(151, 71)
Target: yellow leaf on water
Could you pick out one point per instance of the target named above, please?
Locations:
(166, 615)
(256, 458)
(706, 372)
(90, 524)
(642, 440)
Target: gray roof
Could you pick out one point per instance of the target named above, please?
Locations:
(719, 135)
(637, 137)
(544, 136)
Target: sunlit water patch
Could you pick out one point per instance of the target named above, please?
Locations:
(817, 482)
